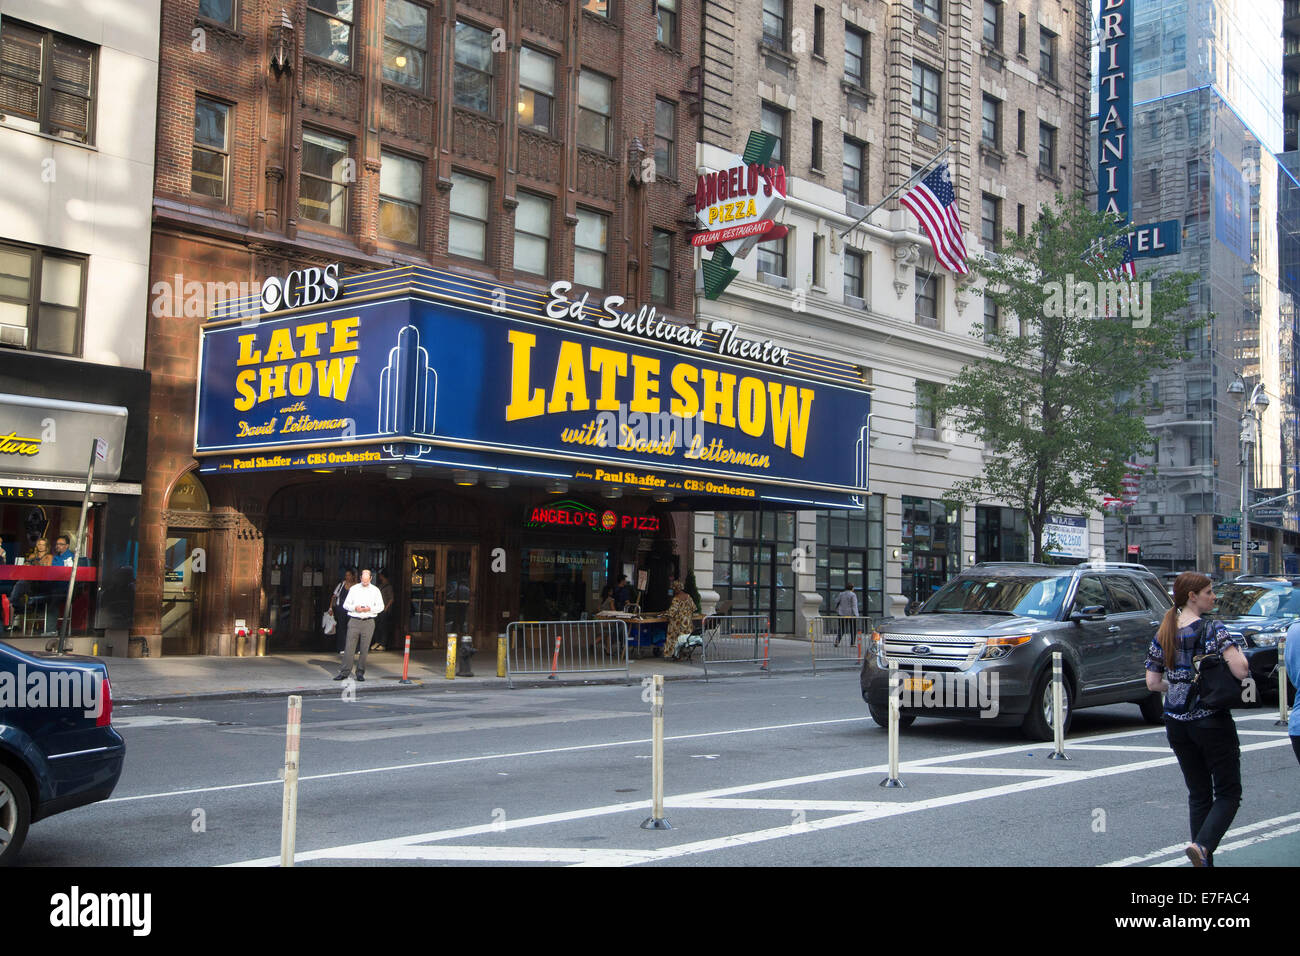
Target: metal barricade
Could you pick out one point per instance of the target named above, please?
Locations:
(838, 641)
(560, 648)
(736, 639)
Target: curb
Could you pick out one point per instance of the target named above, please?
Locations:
(382, 685)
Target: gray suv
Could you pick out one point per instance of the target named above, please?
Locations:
(981, 647)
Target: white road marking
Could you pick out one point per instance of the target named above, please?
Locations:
(1237, 845)
(1180, 847)
(144, 722)
(387, 848)
(1134, 748)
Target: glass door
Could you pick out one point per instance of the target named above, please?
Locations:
(181, 592)
(440, 585)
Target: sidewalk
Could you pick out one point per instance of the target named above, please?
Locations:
(153, 680)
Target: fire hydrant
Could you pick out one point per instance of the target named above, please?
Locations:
(463, 657)
(263, 638)
(241, 640)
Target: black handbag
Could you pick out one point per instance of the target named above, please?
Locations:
(1215, 688)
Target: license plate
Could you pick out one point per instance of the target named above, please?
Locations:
(918, 683)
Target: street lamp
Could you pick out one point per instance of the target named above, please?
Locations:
(1251, 409)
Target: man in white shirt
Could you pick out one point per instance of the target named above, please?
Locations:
(363, 604)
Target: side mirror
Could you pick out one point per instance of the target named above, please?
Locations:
(1093, 612)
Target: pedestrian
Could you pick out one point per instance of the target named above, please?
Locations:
(681, 618)
(384, 623)
(363, 604)
(1292, 661)
(623, 593)
(846, 609)
(1204, 741)
(336, 608)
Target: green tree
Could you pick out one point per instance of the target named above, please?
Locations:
(1057, 401)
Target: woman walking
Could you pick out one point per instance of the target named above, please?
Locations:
(1204, 741)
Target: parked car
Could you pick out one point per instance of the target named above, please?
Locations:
(993, 628)
(58, 748)
(1259, 609)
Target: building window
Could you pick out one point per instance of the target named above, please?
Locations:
(931, 542)
(533, 234)
(329, 30)
(595, 99)
(326, 172)
(467, 235)
(855, 163)
(930, 9)
(927, 301)
(819, 262)
(926, 420)
(536, 90)
(851, 550)
(819, 31)
(473, 73)
(41, 299)
(990, 220)
(856, 53)
(772, 257)
(406, 43)
(218, 11)
(210, 155)
(990, 318)
(752, 555)
(661, 267)
(47, 82)
(1047, 149)
(666, 139)
(667, 30)
(1001, 534)
(773, 123)
(991, 123)
(401, 193)
(925, 94)
(1020, 131)
(1020, 220)
(854, 275)
(816, 158)
(992, 35)
(774, 17)
(591, 248)
(1047, 54)
(599, 7)
(1020, 35)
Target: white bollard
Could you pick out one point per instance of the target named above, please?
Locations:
(657, 821)
(1283, 705)
(895, 684)
(289, 815)
(1058, 708)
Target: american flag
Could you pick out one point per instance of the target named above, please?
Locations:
(934, 204)
(1129, 487)
(1127, 269)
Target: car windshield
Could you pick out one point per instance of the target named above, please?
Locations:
(1009, 594)
(1256, 600)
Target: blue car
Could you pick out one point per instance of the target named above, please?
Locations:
(58, 748)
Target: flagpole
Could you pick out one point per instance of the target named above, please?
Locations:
(896, 190)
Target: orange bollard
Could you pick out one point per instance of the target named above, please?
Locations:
(555, 661)
(767, 642)
(406, 663)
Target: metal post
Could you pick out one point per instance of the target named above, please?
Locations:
(289, 812)
(1245, 513)
(892, 782)
(656, 821)
(812, 645)
(453, 641)
(77, 550)
(1283, 705)
(896, 190)
(1058, 708)
(501, 655)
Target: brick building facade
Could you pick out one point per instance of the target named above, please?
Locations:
(519, 142)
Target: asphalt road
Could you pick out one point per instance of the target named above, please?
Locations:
(776, 771)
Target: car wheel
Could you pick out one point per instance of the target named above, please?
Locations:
(1153, 709)
(1038, 722)
(15, 815)
(881, 717)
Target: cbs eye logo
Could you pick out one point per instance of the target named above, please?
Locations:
(608, 520)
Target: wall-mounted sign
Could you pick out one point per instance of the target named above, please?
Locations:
(736, 207)
(300, 288)
(575, 515)
(1115, 119)
(1156, 239)
(430, 382)
(46, 436)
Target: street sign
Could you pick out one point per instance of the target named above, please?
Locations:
(1268, 514)
(101, 450)
(1254, 546)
